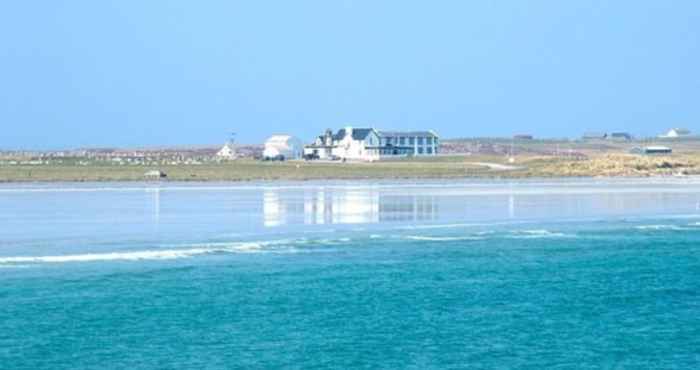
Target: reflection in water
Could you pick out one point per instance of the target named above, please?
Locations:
(370, 204)
(156, 203)
(511, 206)
(350, 206)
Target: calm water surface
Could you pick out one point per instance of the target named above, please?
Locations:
(459, 274)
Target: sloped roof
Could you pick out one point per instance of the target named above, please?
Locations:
(357, 133)
(407, 133)
(280, 139)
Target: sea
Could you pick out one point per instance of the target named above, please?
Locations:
(443, 274)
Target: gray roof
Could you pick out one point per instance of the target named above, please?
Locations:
(357, 133)
(620, 134)
(407, 133)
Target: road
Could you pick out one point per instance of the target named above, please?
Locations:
(497, 166)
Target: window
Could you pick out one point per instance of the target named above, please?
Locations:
(429, 140)
(420, 150)
(420, 141)
(429, 150)
(411, 140)
(402, 141)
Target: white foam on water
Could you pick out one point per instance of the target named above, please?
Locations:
(461, 225)
(442, 226)
(662, 227)
(154, 254)
(442, 238)
(537, 234)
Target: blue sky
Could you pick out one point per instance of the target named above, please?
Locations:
(135, 73)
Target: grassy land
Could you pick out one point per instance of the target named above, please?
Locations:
(616, 164)
(243, 170)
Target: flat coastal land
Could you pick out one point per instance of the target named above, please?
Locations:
(447, 167)
(463, 158)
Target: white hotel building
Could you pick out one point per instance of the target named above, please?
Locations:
(368, 144)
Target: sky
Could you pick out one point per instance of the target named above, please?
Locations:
(179, 72)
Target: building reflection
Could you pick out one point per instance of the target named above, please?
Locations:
(345, 206)
(323, 206)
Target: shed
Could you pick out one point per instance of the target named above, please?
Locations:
(155, 175)
(227, 151)
(676, 133)
(657, 150)
(595, 136)
(283, 147)
(620, 136)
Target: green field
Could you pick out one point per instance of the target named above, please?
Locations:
(446, 167)
(244, 170)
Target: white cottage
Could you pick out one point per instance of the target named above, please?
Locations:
(348, 143)
(227, 152)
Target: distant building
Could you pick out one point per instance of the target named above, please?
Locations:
(595, 136)
(283, 147)
(347, 143)
(155, 175)
(522, 137)
(368, 144)
(676, 133)
(650, 150)
(620, 136)
(227, 152)
(408, 143)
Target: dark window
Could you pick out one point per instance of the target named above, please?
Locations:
(420, 141)
(420, 150)
(429, 150)
(411, 140)
(429, 140)
(402, 141)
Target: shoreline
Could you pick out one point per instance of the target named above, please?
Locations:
(379, 182)
(340, 179)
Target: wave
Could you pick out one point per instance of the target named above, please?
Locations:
(462, 225)
(537, 234)
(663, 227)
(154, 254)
(280, 246)
(442, 238)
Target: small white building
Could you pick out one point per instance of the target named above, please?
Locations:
(675, 133)
(283, 147)
(227, 152)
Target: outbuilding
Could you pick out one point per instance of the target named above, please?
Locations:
(227, 152)
(283, 147)
(675, 133)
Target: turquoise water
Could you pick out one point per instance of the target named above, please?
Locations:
(575, 274)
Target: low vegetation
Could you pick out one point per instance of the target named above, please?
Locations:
(242, 170)
(457, 166)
